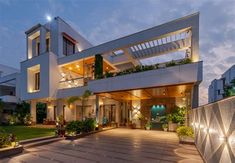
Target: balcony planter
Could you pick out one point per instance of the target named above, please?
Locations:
(10, 151)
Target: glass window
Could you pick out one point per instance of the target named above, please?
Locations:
(68, 47)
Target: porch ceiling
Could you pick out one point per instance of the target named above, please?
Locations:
(157, 92)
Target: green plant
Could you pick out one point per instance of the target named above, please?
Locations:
(185, 61)
(185, 131)
(60, 120)
(74, 127)
(28, 119)
(22, 109)
(164, 125)
(98, 66)
(4, 140)
(148, 125)
(88, 125)
(177, 115)
(171, 63)
(108, 74)
(12, 120)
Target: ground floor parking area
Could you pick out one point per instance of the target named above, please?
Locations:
(117, 145)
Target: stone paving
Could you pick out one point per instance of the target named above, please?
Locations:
(117, 145)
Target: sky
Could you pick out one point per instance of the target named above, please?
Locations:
(103, 20)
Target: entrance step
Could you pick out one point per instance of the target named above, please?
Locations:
(39, 141)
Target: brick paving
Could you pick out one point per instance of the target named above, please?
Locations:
(118, 145)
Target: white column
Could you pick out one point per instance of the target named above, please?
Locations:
(33, 110)
(43, 33)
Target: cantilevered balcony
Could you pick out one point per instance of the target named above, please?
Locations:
(174, 75)
(190, 73)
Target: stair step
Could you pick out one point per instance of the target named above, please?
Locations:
(36, 139)
(42, 142)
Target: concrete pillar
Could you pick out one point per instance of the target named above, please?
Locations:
(195, 40)
(60, 104)
(43, 33)
(33, 110)
(117, 118)
(195, 96)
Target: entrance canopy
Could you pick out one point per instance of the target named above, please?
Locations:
(149, 93)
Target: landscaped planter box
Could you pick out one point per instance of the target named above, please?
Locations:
(186, 140)
(9, 151)
(74, 137)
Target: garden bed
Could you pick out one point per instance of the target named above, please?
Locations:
(74, 137)
(10, 151)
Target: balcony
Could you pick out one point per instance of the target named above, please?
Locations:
(174, 75)
(163, 75)
(9, 98)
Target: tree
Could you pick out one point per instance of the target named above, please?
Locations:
(81, 98)
(22, 109)
(1, 107)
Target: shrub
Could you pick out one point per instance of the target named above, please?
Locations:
(185, 131)
(171, 63)
(74, 127)
(88, 125)
(148, 125)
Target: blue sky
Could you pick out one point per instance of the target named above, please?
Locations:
(103, 20)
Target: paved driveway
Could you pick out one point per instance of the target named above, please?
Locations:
(118, 145)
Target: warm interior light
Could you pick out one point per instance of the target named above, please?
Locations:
(70, 68)
(77, 66)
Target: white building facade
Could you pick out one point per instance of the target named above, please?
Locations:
(216, 90)
(61, 64)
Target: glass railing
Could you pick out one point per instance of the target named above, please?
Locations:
(76, 82)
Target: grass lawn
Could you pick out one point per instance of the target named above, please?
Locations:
(24, 132)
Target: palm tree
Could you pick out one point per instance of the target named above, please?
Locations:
(81, 98)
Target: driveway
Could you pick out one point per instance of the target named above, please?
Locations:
(117, 145)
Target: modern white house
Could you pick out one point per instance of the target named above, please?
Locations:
(217, 88)
(60, 64)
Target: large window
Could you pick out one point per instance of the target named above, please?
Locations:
(68, 46)
(47, 45)
(37, 81)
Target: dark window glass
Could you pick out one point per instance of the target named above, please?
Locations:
(37, 81)
(68, 47)
(38, 48)
(47, 44)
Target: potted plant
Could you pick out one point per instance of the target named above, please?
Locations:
(165, 127)
(177, 117)
(148, 126)
(185, 134)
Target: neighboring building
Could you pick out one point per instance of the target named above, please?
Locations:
(61, 63)
(9, 84)
(217, 88)
(9, 90)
